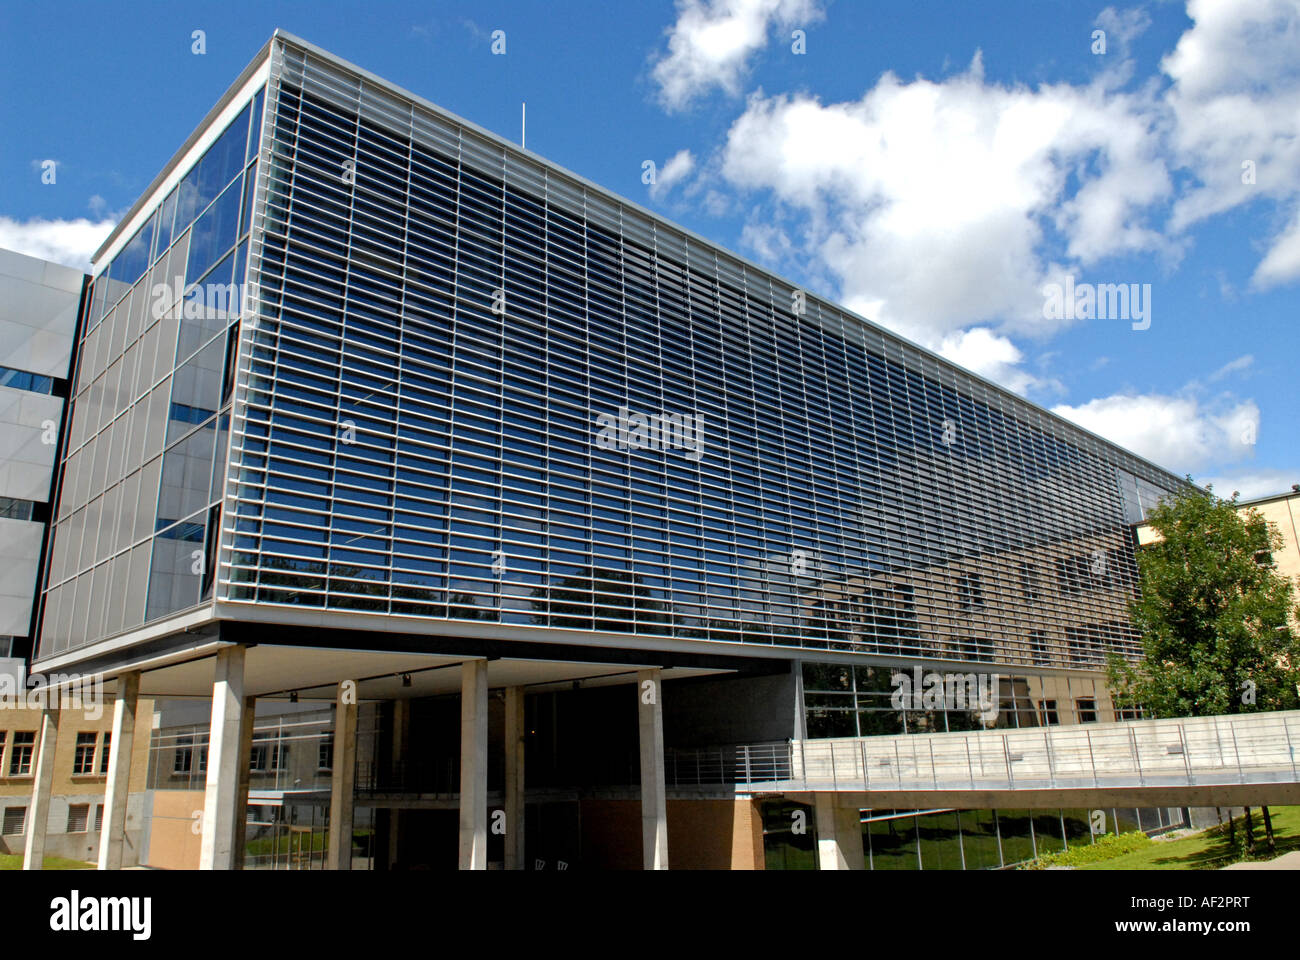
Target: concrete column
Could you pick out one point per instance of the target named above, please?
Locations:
(221, 803)
(343, 779)
(514, 792)
(401, 741)
(473, 764)
(241, 796)
(38, 811)
(113, 835)
(654, 803)
(839, 835)
(800, 718)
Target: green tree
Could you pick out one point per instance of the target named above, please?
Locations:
(1213, 616)
(1212, 613)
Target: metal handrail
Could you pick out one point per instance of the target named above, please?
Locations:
(1126, 753)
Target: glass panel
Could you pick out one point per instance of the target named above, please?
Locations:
(1017, 845)
(173, 580)
(196, 390)
(213, 234)
(165, 224)
(940, 841)
(207, 308)
(893, 844)
(186, 476)
(980, 840)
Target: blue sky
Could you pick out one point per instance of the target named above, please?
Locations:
(935, 166)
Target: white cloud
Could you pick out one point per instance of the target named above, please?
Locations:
(1234, 100)
(1123, 26)
(70, 242)
(930, 201)
(1254, 483)
(936, 207)
(677, 169)
(1177, 432)
(1243, 362)
(712, 41)
(1282, 263)
(996, 358)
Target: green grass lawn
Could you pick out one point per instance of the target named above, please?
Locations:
(14, 861)
(1210, 849)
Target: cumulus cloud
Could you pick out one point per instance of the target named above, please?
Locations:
(1282, 262)
(70, 242)
(993, 357)
(1235, 106)
(677, 169)
(1178, 432)
(1251, 484)
(931, 201)
(712, 41)
(1240, 365)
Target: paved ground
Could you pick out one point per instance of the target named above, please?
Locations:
(1288, 861)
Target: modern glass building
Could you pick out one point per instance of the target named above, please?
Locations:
(358, 381)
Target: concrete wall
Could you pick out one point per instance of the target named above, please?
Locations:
(20, 555)
(702, 834)
(38, 314)
(83, 845)
(173, 842)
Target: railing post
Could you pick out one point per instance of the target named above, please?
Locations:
(748, 778)
(1286, 728)
(934, 772)
(1006, 755)
(970, 767)
(835, 780)
(1137, 760)
(1241, 776)
(1187, 760)
(898, 765)
(1051, 764)
(803, 762)
(866, 774)
(1092, 761)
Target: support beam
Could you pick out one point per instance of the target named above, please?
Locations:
(245, 772)
(38, 811)
(473, 764)
(654, 803)
(221, 803)
(514, 792)
(401, 742)
(112, 836)
(343, 779)
(839, 835)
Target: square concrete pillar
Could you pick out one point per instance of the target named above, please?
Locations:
(839, 835)
(473, 764)
(514, 789)
(113, 835)
(654, 797)
(343, 779)
(222, 804)
(38, 811)
(401, 742)
(245, 772)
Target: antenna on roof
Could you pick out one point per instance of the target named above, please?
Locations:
(523, 124)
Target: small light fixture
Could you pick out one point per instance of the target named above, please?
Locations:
(406, 679)
(293, 696)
